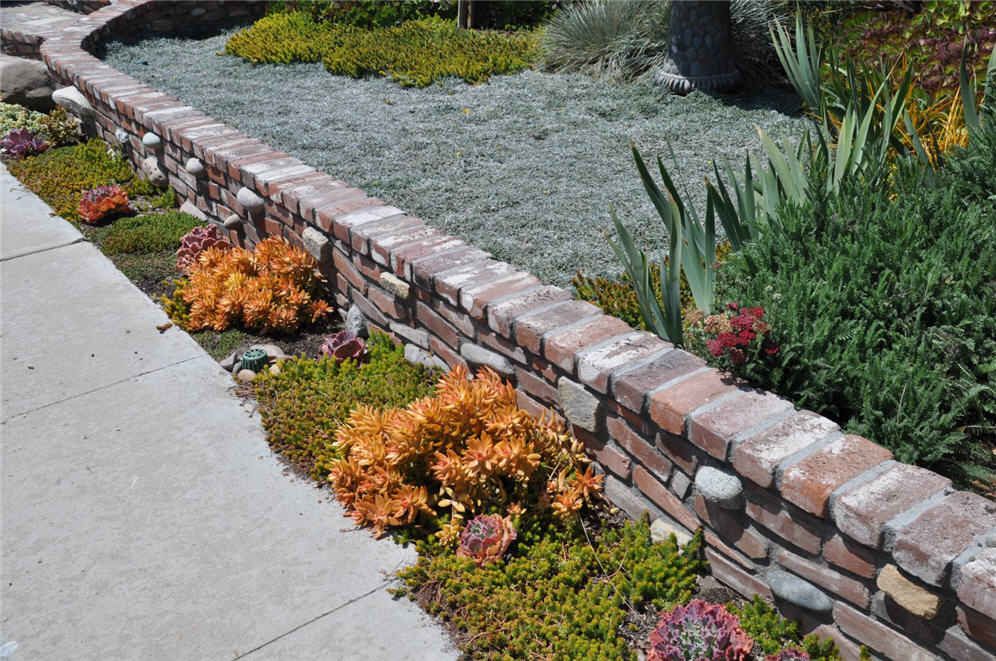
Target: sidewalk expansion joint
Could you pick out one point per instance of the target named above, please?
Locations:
(98, 389)
(41, 250)
(313, 620)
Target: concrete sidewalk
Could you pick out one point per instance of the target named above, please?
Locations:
(142, 515)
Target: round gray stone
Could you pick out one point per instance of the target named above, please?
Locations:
(152, 141)
(245, 376)
(720, 489)
(229, 361)
(249, 200)
(356, 322)
(233, 222)
(797, 591)
(196, 168)
(122, 137)
(73, 101)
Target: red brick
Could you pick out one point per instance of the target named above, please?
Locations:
(678, 450)
(826, 577)
(368, 267)
(308, 203)
(457, 318)
(596, 365)
(715, 543)
(403, 256)
(641, 449)
(667, 501)
(437, 325)
(848, 650)
(631, 388)
(669, 407)
(605, 453)
(498, 343)
(977, 582)
(959, 646)
(474, 299)
(530, 328)
(387, 303)
(448, 284)
(382, 245)
(342, 224)
(449, 356)
(562, 347)
(269, 181)
(535, 408)
(978, 626)
(424, 269)
(639, 424)
(926, 546)
(772, 515)
(273, 227)
(326, 216)
(348, 271)
(877, 636)
(809, 482)
(263, 154)
(715, 429)
(293, 191)
(502, 314)
(736, 578)
(862, 512)
(537, 387)
(758, 456)
(362, 234)
(849, 555)
(732, 529)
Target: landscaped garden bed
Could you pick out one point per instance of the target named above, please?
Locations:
(465, 468)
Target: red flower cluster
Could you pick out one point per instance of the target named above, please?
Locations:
(737, 332)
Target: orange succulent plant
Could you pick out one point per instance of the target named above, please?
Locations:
(466, 450)
(273, 288)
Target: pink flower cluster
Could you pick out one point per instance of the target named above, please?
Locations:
(737, 332)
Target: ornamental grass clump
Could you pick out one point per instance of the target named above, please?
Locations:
(274, 288)
(699, 631)
(466, 450)
(304, 404)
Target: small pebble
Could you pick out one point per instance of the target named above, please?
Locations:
(245, 376)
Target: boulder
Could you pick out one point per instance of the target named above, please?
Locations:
(74, 102)
(153, 172)
(25, 82)
(355, 322)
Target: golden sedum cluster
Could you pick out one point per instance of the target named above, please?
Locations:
(467, 450)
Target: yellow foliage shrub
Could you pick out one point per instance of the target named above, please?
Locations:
(466, 450)
(273, 288)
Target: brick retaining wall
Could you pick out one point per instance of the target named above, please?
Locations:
(858, 546)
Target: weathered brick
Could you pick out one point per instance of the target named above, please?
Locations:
(503, 313)
(561, 347)
(626, 498)
(771, 514)
(736, 578)
(826, 577)
(362, 234)
(326, 216)
(715, 543)
(878, 636)
(370, 269)
(605, 453)
(757, 457)
(912, 597)
(926, 546)
(308, 203)
(475, 298)
(539, 388)
(960, 647)
(977, 582)
(862, 512)
(679, 450)
(403, 256)
(382, 245)
(450, 357)
(632, 387)
(530, 328)
(437, 325)
(387, 303)
(670, 406)
(667, 501)
(732, 529)
(342, 224)
(978, 626)
(809, 482)
(448, 284)
(596, 365)
(457, 318)
(424, 269)
(846, 554)
(348, 271)
(714, 429)
(641, 449)
(848, 650)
